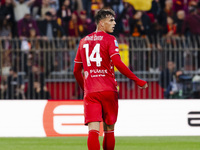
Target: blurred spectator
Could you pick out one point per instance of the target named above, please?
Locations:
(191, 28)
(49, 6)
(192, 4)
(56, 18)
(87, 6)
(41, 92)
(114, 4)
(21, 8)
(77, 5)
(198, 8)
(34, 45)
(136, 25)
(27, 30)
(170, 32)
(174, 89)
(7, 11)
(156, 33)
(5, 33)
(180, 5)
(15, 85)
(45, 8)
(36, 88)
(38, 57)
(36, 9)
(191, 23)
(32, 42)
(65, 13)
(146, 22)
(162, 4)
(196, 86)
(179, 22)
(122, 27)
(6, 63)
(95, 6)
(83, 24)
(73, 25)
(156, 30)
(140, 24)
(155, 9)
(5, 42)
(91, 26)
(167, 11)
(25, 25)
(140, 27)
(166, 75)
(5, 30)
(168, 8)
(171, 27)
(73, 32)
(32, 51)
(30, 70)
(33, 34)
(2, 87)
(181, 87)
(54, 4)
(49, 28)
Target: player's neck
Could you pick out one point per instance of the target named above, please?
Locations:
(99, 30)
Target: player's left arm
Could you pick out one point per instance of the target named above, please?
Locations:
(113, 49)
(116, 59)
(78, 74)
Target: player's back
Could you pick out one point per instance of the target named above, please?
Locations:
(95, 52)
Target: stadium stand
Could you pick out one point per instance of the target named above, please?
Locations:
(37, 49)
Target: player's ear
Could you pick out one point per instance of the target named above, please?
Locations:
(101, 22)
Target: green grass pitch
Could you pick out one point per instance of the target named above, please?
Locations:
(122, 143)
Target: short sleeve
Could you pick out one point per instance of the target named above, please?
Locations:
(113, 47)
(78, 56)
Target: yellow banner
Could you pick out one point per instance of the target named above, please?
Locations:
(124, 54)
(143, 5)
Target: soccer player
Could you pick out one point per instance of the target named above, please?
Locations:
(97, 55)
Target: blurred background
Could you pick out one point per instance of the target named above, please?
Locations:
(159, 40)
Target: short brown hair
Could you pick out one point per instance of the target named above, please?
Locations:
(103, 13)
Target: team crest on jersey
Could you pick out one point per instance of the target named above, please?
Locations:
(116, 43)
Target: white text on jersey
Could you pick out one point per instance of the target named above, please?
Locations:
(93, 38)
(98, 71)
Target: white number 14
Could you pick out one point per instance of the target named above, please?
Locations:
(91, 58)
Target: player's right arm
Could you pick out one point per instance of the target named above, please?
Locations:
(78, 74)
(78, 67)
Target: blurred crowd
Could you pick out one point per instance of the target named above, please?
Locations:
(60, 18)
(33, 21)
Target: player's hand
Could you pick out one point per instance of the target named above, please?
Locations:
(144, 87)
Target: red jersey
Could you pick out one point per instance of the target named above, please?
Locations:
(95, 52)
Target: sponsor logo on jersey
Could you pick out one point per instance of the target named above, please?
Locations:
(99, 71)
(117, 49)
(116, 43)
